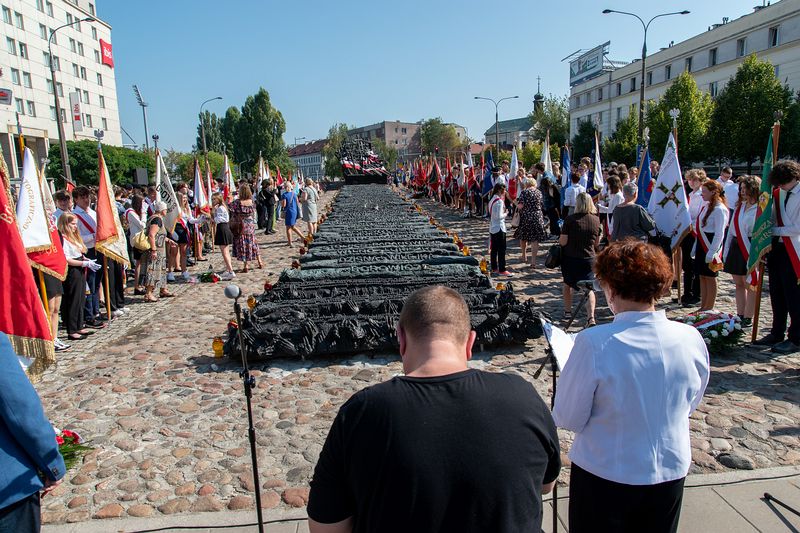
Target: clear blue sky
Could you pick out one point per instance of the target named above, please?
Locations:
(361, 62)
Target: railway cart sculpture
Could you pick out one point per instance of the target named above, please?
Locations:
(374, 249)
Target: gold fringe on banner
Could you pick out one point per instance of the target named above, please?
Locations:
(40, 350)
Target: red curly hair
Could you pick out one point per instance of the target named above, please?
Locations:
(634, 270)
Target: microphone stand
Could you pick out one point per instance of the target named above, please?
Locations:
(586, 292)
(249, 383)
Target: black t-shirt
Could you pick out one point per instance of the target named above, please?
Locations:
(465, 452)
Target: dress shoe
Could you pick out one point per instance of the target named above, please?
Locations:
(786, 347)
(768, 340)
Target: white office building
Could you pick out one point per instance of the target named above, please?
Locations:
(606, 95)
(83, 62)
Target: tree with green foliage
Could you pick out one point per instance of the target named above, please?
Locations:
(337, 134)
(385, 152)
(789, 144)
(260, 128)
(228, 129)
(583, 141)
(553, 116)
(696, 108)
(621, 146)
(212, 125)
(121, 162)
(434, 133)
(745, 112)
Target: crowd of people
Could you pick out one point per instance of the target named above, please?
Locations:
(584, 217)
(161, 255)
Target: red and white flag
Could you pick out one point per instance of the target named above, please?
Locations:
(201, 204)
(110, 236)
(279, 179)
(31, 215)
(229, 186)
(51, 261)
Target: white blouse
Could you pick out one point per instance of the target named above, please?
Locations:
(716, 224)
(747, 219)
(696, 203)
(135, 221)
(221, 214)
(627, 391)
(71, 251)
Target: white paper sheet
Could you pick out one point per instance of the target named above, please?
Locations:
(560, 341)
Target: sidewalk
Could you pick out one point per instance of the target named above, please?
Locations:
(730, 502)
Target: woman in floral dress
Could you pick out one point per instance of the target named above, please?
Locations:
(243, 212)
(531, 228)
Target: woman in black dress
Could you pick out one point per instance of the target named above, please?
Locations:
(531, 228)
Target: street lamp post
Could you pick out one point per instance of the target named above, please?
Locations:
(155, 141)
(142, 103)
(298, 139)
(62, 140)
(496, 118)
(645, 26)
(203, 123)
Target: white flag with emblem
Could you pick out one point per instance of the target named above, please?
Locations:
(166, 194)
(32, 218)
(668, 204)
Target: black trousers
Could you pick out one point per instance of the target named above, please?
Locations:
(598, 505)
(72, 302)
(784, 293)
(552, 216)
(691, 280)
(498, 254)
(270, 214)
(118, 288)
(24, 516)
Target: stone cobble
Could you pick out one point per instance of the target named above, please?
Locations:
(168, 424)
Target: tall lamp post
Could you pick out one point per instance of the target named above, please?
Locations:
(142, 103)
(203, 123)
(298, 139)
(155, 140)
(62, 139)
(646, 26)
(496, 118)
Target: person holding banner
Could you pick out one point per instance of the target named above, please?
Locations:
(710, 224)
(154, 260)
(737, 247)
(87, 226)
(783, 260)
(691, 279)
(134, 216)
(74, 293)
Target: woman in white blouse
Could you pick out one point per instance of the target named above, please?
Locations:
(710, 227)
(135, 218)
(737, 247)
(615, 198)
(691, 279)
(627, 391)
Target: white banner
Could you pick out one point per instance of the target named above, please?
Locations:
(166, 194)
(668, 204)
(32, 218)
(75, 109)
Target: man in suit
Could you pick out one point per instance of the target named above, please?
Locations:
(29, 458)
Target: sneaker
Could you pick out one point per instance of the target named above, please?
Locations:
(170, 277)
(126, 310)
(768, 340)
(118, 313)
(227, 276)
(505, 273)
(786, 347)
(60, 346)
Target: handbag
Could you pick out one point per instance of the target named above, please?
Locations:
(141, 241)
(553, 259)
(235, 226)
(515, 219)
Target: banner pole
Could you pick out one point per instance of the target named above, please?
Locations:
(759, 290)
(108, 292)
(44, 295)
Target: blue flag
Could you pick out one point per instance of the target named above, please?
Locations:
(487, 176)
(644, 181)
(566, 172)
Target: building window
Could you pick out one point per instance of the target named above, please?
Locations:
(99, 79)
(96, 56)
(94, 33)
(712, 57)
(650, 78)
(91, 9)
(42, 31)
(50, 86)
(31, 108)
(53, 36)
(15, 76)
(20, 106)
(23, 50)
(87, 120)
(668, 72)
(77, 24)
(6, 15)
(83, 73)
(633, 84)
(600, 94)
(773, 37)
(18, 21)
(777, 71)
(713, 88)
(26, 80)
(102, 101)
(40, 5)
(741, 47)
(49, 6)
(619, 89)
(86, 97)
(60, 88)
(688, 64)
(52, 113)
(403, 131)
(80, 49)
(105, 123)
(619, 114)
(63, 115)
(56, 63)
(11, 46)
(72, 44)
(600, 117)
(75, 71)
(69, 18)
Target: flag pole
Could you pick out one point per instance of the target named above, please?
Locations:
(44, 296)
(776, 133)
(677, 255)
(108, 293)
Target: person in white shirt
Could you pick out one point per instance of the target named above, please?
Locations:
(87, 227)
(497, 230)
(63, 201)
(615, 197)
(583, 172)
(571, 194)
(711, 224)
(627, 391)
(135, 218)
(736, 252)
(783, 261)
(691, 279)
(729, 187)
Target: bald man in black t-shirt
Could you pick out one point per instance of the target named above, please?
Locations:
(443, 448)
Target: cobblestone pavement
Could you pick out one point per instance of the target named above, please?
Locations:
(168, 423)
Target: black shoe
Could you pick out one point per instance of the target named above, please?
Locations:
(768, 340)
(786, 347)
(747, 322)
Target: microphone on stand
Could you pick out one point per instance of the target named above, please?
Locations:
(232, 291)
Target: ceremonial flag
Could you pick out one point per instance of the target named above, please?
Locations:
(31, 215)
(471, 176)
(279, 178)
(546, 159)
(449, 169)
(51, 261)
(166, 194)
(761, 241)
(263, 173)
(435, 176)
(22, 315)
(487, 176)
(566, 169)
(513, 190)
(201, 203)
(645, 177)
(69, 185)
(110, 236)
(229, 186)
(597, 181)
(668, 204)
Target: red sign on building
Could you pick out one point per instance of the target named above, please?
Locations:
(108, 57)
